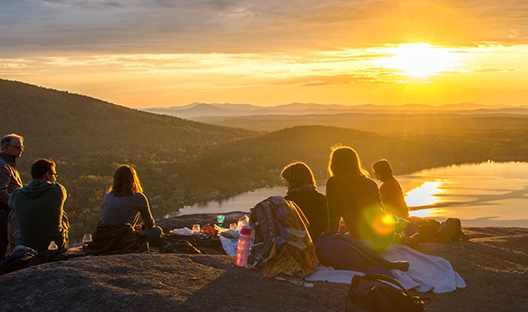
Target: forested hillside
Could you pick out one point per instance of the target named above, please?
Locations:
(183, 162)
(263, 157)
(89, 139)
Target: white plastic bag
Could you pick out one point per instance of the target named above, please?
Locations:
(243, 221)
(230, 245)
(185, 231)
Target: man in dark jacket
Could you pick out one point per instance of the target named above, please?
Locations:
(39, 209)
(12, 146)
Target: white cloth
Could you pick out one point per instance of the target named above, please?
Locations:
(425, 272)
(328, 274)
(185, 231)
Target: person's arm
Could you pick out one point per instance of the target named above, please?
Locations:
(5, 178)
(331, 196)
(57, 205)
(377, 195)
(144, 211)
(324, 214)
(63, 224)
(385, 193)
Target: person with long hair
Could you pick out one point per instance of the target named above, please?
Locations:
(302, 190)
(353, 196)
(125, 202)
(390, 189)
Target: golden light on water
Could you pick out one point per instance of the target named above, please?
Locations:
(426, 213)
(419, 59)
(424, 195)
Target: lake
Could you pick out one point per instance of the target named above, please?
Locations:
(484, 194)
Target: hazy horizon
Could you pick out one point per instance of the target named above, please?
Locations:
(346, 105)
(159, 53)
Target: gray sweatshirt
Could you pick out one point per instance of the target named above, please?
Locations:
(126, 209)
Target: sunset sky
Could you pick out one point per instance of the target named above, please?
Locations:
(152, 53)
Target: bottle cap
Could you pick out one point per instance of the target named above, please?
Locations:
(245, 231)
(52, 246)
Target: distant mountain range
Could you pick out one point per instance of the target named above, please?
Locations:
(201, 110)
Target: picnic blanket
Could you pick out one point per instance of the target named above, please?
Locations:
(425, 272)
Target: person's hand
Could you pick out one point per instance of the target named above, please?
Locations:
(137, 227)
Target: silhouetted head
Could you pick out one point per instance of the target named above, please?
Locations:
(345, 161)
(12, 145)
(126, 182)
(297, 174)
(44, 169)
(382, 169)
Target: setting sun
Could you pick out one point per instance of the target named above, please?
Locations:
(419, 59)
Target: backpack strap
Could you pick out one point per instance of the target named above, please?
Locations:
(299, 211)
(267, 245)
(353, 285)
(387, 279)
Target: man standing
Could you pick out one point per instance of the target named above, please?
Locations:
(39, 209)
(12, 147)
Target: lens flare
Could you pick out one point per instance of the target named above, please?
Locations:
(383, 224)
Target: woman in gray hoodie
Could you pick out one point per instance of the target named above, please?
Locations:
(125, 202)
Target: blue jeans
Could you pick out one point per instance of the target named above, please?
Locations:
(153, 233)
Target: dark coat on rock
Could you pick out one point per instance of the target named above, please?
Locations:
(313, 205)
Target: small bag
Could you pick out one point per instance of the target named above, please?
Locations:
(451, 231)
(377, 292)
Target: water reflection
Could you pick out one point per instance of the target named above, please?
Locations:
(424, 195)
(427, 213)
(486, 194)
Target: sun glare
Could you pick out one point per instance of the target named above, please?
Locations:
(424, 195)
(418, 59)
(427, 213)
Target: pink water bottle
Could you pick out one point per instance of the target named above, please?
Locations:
(243, 247)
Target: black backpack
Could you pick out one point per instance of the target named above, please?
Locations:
(451, 231)
(378, 292)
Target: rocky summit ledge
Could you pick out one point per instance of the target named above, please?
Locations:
(493, 263)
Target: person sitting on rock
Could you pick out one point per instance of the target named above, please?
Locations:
(355, 198)
(12, 147)
(302, 190)
(39, 209)
(125, 202)
(390, 190)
